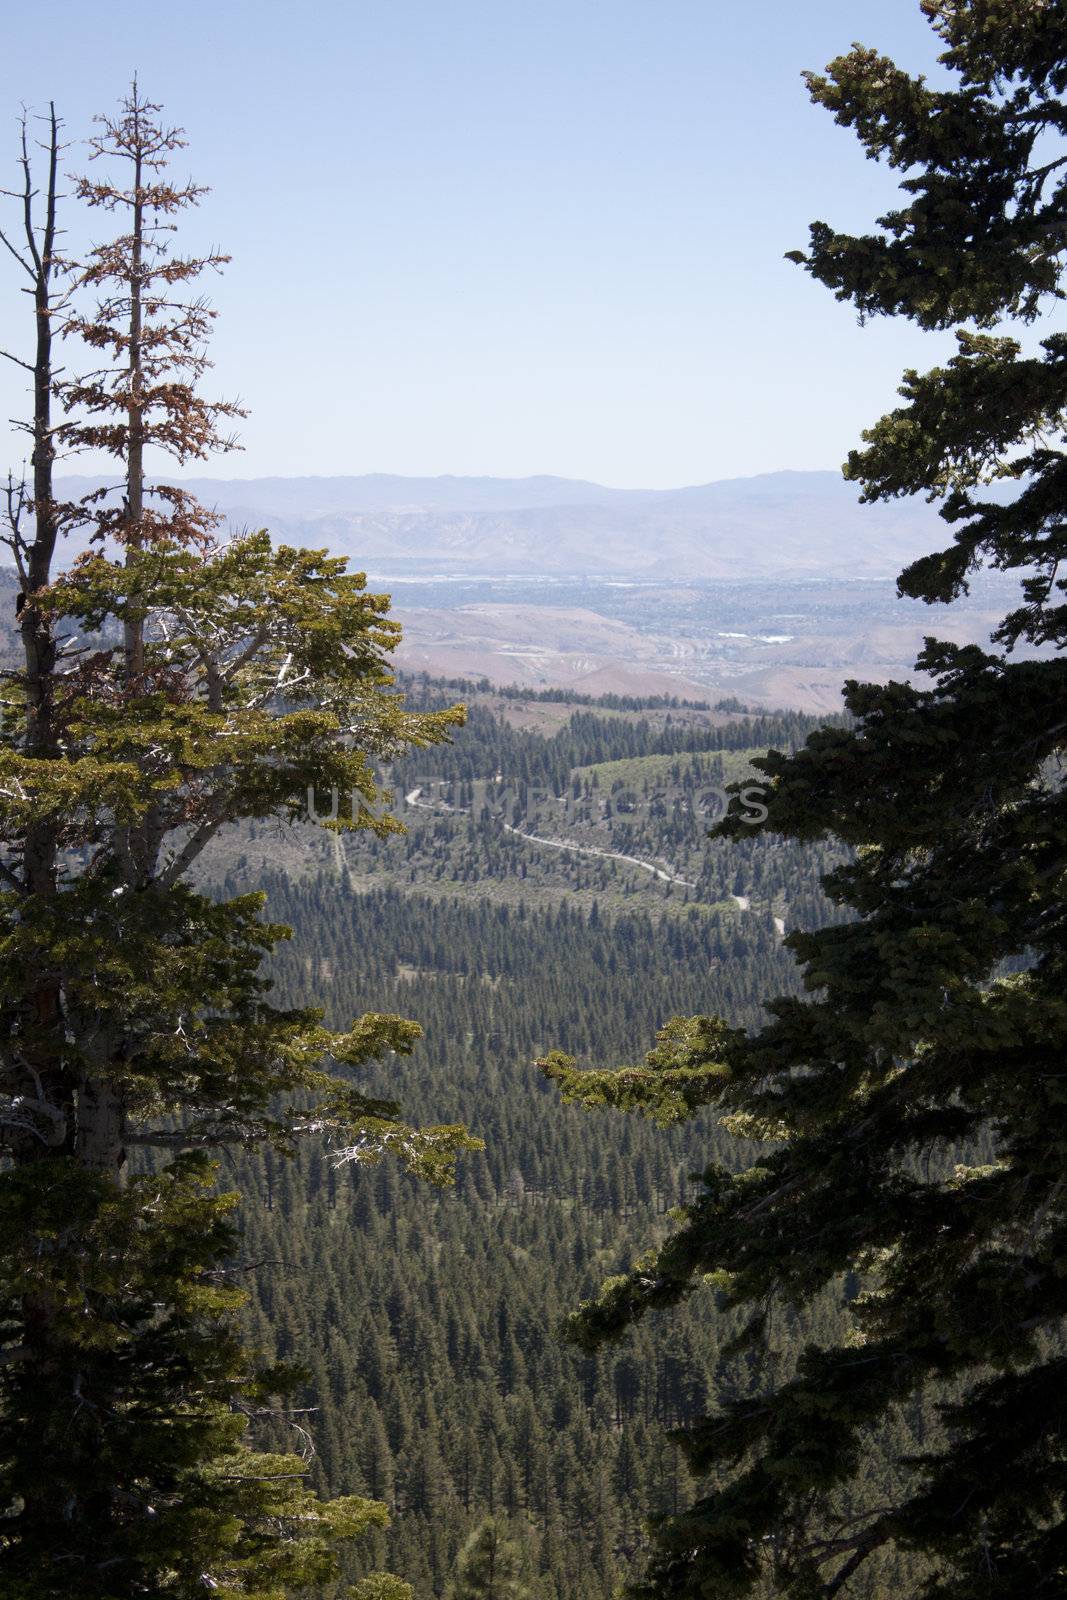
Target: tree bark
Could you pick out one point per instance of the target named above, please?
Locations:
(39, 853)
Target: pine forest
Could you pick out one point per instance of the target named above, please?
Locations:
(509, 1091)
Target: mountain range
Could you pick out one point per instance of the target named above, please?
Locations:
(781, 525)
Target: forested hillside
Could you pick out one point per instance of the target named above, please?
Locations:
(431, 1320)
(539, 797)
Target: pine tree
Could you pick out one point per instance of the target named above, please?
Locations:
(913, 1106)
(380, 1586)
(173, 684)
(488, 1566)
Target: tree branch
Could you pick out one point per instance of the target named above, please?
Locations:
(864, 1547)
(189, 851)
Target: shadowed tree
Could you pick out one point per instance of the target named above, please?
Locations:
(913, 1106)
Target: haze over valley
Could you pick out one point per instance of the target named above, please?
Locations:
(773, 589)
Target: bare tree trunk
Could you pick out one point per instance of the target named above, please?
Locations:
(37, 635)
(90, 1117)
(101, 1124)
(34, 557)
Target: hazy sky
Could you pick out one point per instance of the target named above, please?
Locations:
(500, 236)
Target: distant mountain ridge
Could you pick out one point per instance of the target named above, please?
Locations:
(781, 524)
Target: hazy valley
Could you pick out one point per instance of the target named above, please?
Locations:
(773, 589)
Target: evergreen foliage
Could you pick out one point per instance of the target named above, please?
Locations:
(488, 1566)
(430, 1320)
(170, 685)
(911, 1105)
(590, 736)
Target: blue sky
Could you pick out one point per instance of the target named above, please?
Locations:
(507, 237)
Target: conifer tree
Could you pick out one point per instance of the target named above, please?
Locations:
(488, 1566)
(174, 683)
(913, 1107)
(380, 1586)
